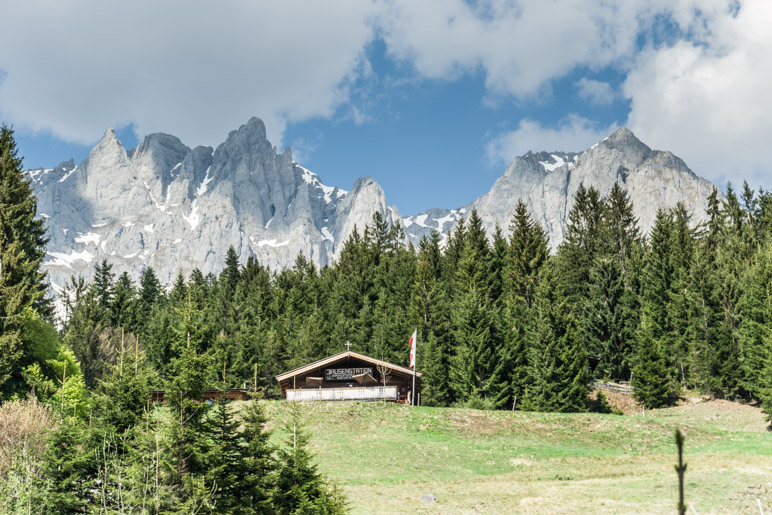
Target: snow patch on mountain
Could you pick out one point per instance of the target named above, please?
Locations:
(67, 260)
(89, 237)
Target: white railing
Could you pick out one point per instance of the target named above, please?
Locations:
(372, 393)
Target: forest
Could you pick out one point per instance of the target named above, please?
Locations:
(503, 322)
(498, 317)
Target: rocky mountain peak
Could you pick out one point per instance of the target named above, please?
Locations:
(547, 182)
(624, 142)
(176, 209)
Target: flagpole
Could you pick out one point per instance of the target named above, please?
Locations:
(415, 365)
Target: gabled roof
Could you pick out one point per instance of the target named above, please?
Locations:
(340, 356)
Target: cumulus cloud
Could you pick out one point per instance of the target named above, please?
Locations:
(595, 92)
(198, 69)
(573, 134)
(194, 68)
(518, 46)
(709, 100)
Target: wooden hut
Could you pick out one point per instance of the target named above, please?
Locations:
(349, 376)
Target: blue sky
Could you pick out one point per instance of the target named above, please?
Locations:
(432, 98)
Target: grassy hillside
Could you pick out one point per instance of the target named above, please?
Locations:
(386, 456)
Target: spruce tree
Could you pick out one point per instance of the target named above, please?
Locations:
(755, 331)
(65, 468)
(429, 307)
(300, 487)
(223, 459)
(620, 226)
(475, 317)
(124, 304)
(189, 369)
(104, 285)
(22, 249)
(527, 253)
(558, 379)
(652, 378)
(582, 245)
(257, 471)
(611, 320)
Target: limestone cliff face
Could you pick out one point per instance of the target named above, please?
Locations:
(547, 183)
(174, 208)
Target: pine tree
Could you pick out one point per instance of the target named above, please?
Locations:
(22, 249)
(755, 331)
(300, 487)
(256, 477)
(223, 460)
(528, 251)
(611, 320)
(652, 379)
(558, 379)
(429, 307)
(620, 226)
(475, 317)
(104, 285)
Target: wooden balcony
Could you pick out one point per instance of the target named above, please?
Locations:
(368, 393)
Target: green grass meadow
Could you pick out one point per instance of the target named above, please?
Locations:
(385, 456)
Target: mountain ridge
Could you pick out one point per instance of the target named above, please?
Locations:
(547, 182)
(165, 205)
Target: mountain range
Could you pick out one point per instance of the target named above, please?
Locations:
(165, 205)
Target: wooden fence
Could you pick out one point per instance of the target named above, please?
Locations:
(612, 387)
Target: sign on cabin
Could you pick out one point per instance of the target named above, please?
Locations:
(345, 374)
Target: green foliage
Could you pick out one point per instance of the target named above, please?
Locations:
(558, 376)
(300, 487)
(22, 249)
(652, 379)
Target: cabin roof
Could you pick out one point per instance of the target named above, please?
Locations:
(339, 357)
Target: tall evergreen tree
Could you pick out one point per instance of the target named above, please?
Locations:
(475, 317)
(558, 376)
(611, 321)
(528, 251)
(104, 284)
(300, 487)
(429, 307)
(22, 249)
(620, 226)
(652, 377)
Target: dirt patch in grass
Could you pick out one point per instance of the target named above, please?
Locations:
(618, 401)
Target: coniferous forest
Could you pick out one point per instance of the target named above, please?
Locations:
(502, 320)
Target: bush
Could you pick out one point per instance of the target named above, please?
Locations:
(477, 403)
(24, 425)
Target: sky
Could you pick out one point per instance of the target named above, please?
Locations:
(431, 98)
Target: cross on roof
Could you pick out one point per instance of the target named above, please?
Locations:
(348, 345)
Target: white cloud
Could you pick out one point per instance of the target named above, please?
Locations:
(573, 134)
(194, 68)
(518, 46)
(198, 69)
(595, 92)
(709, 101)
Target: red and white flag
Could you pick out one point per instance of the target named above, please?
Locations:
(412, 348)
